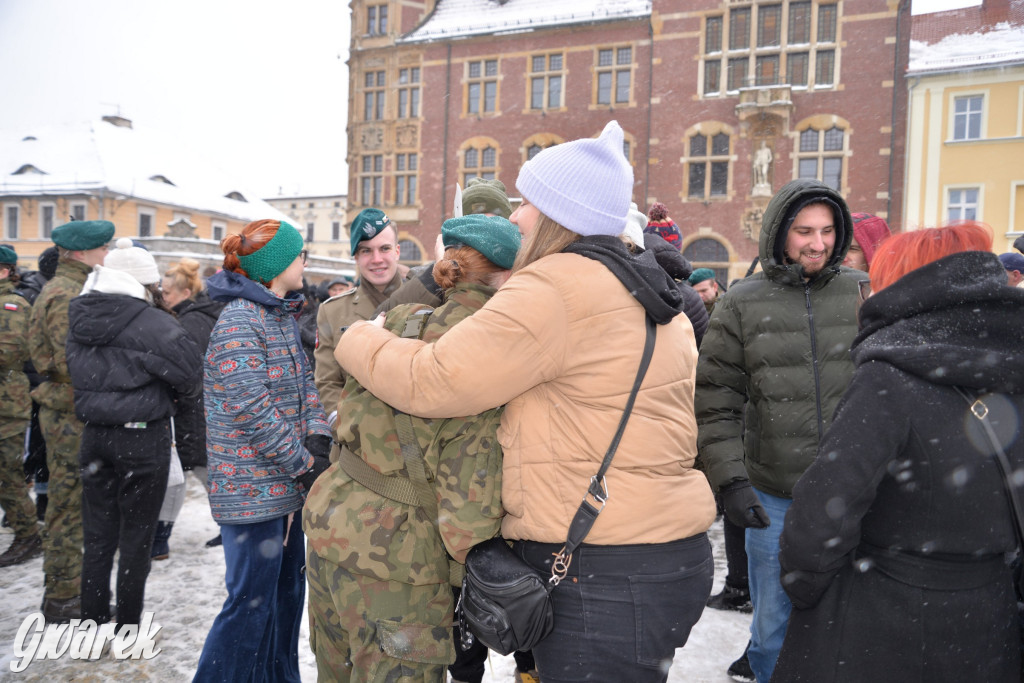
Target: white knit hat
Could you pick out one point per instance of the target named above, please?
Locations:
(636, 221)
(584, 185)
(133, 260)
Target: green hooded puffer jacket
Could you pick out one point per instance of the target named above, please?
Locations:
(777, 356)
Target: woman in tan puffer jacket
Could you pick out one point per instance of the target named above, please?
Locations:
(560, 343)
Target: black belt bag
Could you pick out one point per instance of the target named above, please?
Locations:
(505, 603)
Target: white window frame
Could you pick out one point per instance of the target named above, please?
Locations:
(85, 209)
(7, 227)
(53, 218)
(145, 211)
(948, 204)
(218, 230)
(982, 127)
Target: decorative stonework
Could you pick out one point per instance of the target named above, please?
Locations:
(372, 138)
(407, 136)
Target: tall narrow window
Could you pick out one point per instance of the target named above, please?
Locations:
(373, 95)
(708, 252)
(739, 29)
(335, 231)
(546, 81)
(737, 73)
(11, 216)
(218, 230)
(769, 26)
(405, 179)
(482, 86)
(824, 72)
(713, 35)
(796, 68)
(376, 20)
(409, 93)
(146, 222)
(826, 23)
(614, 75)
(708, 167)
(963, 204)
(371, 180)
(799, 23)
(46, 218)
(820, 156)
(78, 212)
(310, 231)
(767, 70)
(967, 117)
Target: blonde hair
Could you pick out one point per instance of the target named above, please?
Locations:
(185, 275)
(548, 237)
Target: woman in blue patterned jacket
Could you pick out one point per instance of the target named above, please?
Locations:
(267, 440)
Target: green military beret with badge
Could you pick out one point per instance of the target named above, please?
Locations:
(367, 225)
(8, 255)
(700, 275)
(83, 235)
(493, 236)
(486, 196)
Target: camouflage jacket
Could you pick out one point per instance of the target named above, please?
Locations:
(368, 534)
(48, 332)
(15, 405)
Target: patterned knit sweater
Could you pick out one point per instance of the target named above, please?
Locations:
(261, 403)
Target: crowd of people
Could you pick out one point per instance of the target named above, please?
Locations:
(844, 406)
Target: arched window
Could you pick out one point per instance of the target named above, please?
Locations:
(409, 251)
(820, 155)
(708, 160)
(707, 252)
(479, 160)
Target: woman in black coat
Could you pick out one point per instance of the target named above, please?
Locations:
(129, 360)
(895, 549)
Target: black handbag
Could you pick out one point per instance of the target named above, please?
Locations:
(505, 603)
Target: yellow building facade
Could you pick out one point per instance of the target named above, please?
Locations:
(966, 133)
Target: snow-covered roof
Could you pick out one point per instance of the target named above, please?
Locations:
(148, 166)
(1002, 44)
(462, 18)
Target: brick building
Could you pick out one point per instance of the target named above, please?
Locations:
(443, 91)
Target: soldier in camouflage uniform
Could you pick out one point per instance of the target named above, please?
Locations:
(82, 245)
(374, 242)
(379, 567)
(15, 411)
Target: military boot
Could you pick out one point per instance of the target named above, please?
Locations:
(61, 611)
(22, 550)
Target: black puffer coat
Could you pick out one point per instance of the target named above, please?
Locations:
(893, 551)
(197, 316)
(128, 360)
(679, 269)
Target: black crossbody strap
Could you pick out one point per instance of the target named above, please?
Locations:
(980, 411)
(587, 512)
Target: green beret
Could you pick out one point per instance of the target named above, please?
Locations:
(493, 236)
(366, 226)
(701, 274)
(485, 196)
(8, 256)
(83, 235)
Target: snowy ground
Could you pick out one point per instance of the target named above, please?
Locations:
(186, 592)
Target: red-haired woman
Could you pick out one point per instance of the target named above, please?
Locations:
(894, 550)
(267, 440)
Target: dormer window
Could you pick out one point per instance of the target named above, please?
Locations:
(236, 195)
(29, 169)
(162, 179)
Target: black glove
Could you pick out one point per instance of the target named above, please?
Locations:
(307, 478)
(742, 506)
(429, 283)
(318, 445)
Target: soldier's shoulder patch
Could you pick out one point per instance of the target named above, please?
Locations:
(10, 307)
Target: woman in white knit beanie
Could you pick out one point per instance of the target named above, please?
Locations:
(560, 344)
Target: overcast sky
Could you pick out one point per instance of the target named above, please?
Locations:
(259, 86)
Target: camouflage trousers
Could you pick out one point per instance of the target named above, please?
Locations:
(362, 629)
(14, 498)
(62, 529)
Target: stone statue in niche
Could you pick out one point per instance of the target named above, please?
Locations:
(762, 167)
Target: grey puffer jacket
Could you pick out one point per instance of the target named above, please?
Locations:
(777, 353)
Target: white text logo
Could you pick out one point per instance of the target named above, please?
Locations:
(82, 639)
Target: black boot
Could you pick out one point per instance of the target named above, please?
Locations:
(161, 549)
(215, 541)
(22, 550)
(735, 599)
(61, 611)
(740, 669)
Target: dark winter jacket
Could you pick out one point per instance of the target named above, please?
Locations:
(782, 343)
(261, 403)
(197, 316)
(679, 269)
(903, 513)
(128, 360)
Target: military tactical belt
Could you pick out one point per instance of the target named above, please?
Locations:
(392, 487)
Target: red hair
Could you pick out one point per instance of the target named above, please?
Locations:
(253, 237)
(898, 255)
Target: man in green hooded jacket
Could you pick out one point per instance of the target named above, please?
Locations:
(773, 365)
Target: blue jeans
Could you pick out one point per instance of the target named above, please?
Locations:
(256, 635)
(622, 610)
(771, 604)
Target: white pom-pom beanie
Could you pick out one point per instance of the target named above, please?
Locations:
(584, 185)
(133, 260)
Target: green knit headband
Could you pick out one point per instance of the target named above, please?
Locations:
(270, 260)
